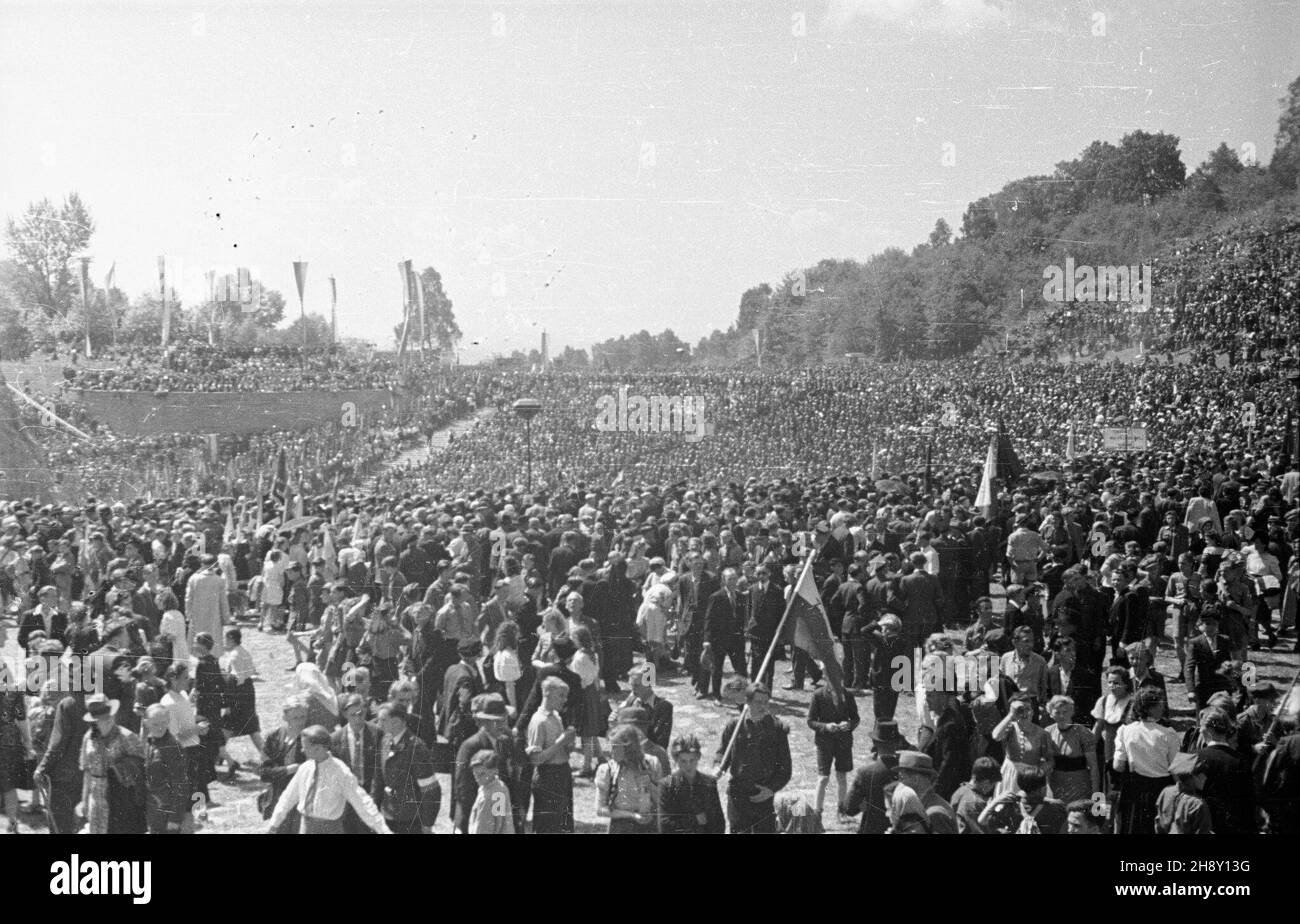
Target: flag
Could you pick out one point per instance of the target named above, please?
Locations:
(258, 526)
(1069, 444)
(108, 280)
(280, 477)
(300, 277)
(297, 497)
(808, 628)
(330, 555)
(984, 499)
(228, 534)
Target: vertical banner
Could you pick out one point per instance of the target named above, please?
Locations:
(334, 315)
(162, 291)
(758, 348)
(212, 306)
(417, 301)
(85, 299)
(300, 277)
(404, 268)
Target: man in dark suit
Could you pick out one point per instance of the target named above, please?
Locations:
(1085, 609)
(460, 685)
(1206, 653)
(563, 558)
(723, 622)
(357, 745)
(850, 604)
(61, 762)
(921, 600)
(948, 742)
(44, 617)
(492, 715)
(766, 607)
(694, 590)
(660, 728)
(1067, 677)
(405, 788)
(867, 794)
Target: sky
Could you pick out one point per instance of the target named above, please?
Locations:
(588, 168)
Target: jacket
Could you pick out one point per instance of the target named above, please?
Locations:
(682, 800)
(405, 788)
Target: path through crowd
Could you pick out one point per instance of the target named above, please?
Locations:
(441, 439)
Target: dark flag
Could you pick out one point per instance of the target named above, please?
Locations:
(807, 627)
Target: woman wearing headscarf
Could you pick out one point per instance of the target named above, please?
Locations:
(906, 813)
(323, 704)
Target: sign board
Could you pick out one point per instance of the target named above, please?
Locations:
(1124, 439)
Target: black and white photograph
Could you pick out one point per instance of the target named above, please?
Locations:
(652, 417)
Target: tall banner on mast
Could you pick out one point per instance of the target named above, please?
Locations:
(162, 291)
(334, 311)
(404, 269)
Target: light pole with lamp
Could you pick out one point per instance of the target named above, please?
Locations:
(528, 408)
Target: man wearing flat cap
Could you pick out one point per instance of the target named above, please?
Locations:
(492, 716)
(320, 790)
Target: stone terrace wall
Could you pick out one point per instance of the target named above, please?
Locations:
(141, 413)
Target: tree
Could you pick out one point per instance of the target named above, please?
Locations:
(755, 301)
(317, 332)
(979, 223)
(1285, 165)
(941, 236)
(1149, 165)
(44, 242)
(440, 329)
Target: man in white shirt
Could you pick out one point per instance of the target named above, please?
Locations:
(321, 788)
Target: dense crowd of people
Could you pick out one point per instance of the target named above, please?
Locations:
(512, 641)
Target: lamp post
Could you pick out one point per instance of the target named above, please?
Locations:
(528, 408)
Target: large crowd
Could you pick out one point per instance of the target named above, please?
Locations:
(452, 625)
(194, 366)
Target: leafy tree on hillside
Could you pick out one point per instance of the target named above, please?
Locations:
(44, 243)
(1285, 165)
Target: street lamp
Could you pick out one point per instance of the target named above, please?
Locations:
(528, 408)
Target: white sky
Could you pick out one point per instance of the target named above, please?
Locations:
(613, 165)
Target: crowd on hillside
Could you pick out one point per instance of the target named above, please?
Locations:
(193, 366)
(838, 419)
(1232, 291)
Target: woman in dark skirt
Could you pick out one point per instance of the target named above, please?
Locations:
(240, 715)
(1144, 750)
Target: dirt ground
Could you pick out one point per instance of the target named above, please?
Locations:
(234, 808)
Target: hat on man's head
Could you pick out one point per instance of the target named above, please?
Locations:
(99, 705)
(469, 648)
(489, 706)
(916, 761)
(886, 732)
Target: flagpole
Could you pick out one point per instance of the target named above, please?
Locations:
(771, 650)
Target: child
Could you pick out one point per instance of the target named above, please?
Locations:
(240, 716)
(1179, 810)
(505, 659)
(491, 813)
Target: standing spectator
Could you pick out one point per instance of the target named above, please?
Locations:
(207, 600)
(689, 802)
(491, 812)
(549, 743)
(321, 788)
(833, 717)
(405, 787)
(627, 791)
(759, 761)
(166, 780)
(112, 758)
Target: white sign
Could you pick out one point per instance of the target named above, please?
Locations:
(1124, 439)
